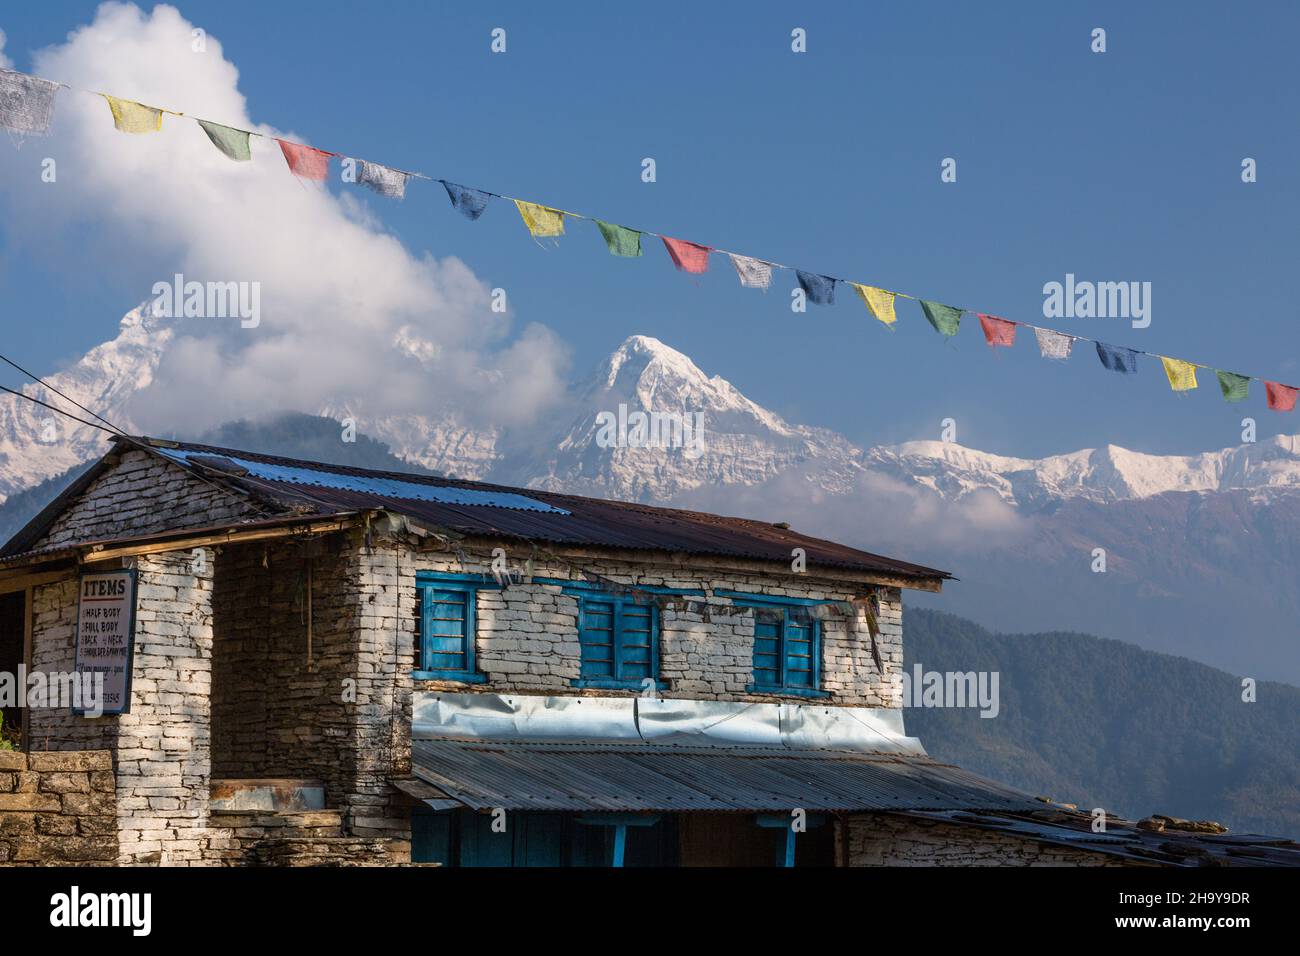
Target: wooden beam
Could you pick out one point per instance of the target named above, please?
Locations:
(311, 562)
(25, 582)
(722, 564)
(231, 536)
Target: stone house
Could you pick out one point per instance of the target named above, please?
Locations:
(320, 664)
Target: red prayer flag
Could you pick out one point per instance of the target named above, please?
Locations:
(997, 331)
(687, 256)
(1281, 398)
(306, 161)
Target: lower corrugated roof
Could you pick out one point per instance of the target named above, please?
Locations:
(603, 776)
(1122, 838)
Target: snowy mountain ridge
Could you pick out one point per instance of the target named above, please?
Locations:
(744, 443)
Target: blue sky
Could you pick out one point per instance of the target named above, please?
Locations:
(1116, 166)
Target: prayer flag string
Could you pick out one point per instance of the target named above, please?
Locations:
(27, 107)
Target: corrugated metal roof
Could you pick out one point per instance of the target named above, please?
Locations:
(502, 511)
(604, 776)
(1122, 838)
(383, 486)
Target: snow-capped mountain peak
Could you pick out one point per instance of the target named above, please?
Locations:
(738, 442)
(1109, 473)
(36, 443)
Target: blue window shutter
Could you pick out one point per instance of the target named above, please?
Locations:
(800, 642)
(787, 649)
(598, 624)
(446, 644)
(447, 627)
(636, 641)
(768, 627)
(619, 640)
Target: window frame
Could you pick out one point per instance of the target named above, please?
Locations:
(469, 585)
(591, 591)
(785, 606)
(618, 604)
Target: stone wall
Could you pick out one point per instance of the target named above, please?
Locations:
(57, 808)
(527, 637)
(385, 648)
(161, 747)
(143, 495)
(276, 712)
(306, 838)
(344, 716)
(883, 839)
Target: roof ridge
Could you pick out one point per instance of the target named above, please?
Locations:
(486, 509)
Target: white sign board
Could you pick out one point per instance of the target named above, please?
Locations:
(106, 633)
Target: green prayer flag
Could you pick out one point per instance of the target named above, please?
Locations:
(621, 240)
(944, 318)
(232, 142)
(1234, 387)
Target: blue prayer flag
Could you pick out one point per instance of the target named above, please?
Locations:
(471, 202)
(819, 289)
(1117, 359)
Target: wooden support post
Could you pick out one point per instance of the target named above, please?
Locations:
(25, 723)
(310, 564)
(620, 843)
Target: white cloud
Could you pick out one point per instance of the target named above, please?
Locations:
(348, 313)
(5, 62)
(878, 513)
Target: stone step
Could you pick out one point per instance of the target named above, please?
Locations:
(332, 851)
(285, 825)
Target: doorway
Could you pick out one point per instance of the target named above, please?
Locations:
(13, 653)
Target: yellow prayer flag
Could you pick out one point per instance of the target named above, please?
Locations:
(1182, 375)
(131, 117)
(541, 220)
(879, 301)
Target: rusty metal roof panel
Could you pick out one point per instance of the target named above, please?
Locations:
(479, 508)
(1071, 828)
(606, 776)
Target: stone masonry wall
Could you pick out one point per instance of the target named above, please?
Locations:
(343, 720)
(527, 638)
(275, 713)
(385, 649)
(161, 747)
(883, 839)
(57, 808)
(143, 495)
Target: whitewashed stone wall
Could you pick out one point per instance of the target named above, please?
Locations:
(882, 839)
(527, 638)
(384, 649)
(162, 747)
(143, 495)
